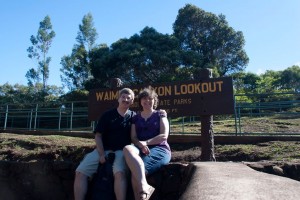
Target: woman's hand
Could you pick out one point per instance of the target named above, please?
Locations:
(145, 150)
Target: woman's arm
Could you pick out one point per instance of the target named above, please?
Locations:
(134, 138)
(164, 132)
(140, 144)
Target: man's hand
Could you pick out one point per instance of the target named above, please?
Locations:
(102, 159)
(162, 113)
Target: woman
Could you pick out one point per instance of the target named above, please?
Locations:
(149, 133)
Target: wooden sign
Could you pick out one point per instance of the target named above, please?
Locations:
(190, 98)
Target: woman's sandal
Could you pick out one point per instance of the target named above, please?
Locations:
(146, 195)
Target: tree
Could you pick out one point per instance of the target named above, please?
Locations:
(290, 77)
(210, 41)
(148, 57)
(22, 96)
(245, 82)
(41, 44)
(76, 67)
(268, 82)
(87, 33)
(101, 69)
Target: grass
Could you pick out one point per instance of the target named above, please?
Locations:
(19, 147)
(286, 151)
(275, 124)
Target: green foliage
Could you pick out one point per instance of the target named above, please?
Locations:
(101, 69)
(210, 40)
(148, 57)
(76, 70)
(87, 33)
(41, 44)
(290, 78)
(22, 96)
(75, 95)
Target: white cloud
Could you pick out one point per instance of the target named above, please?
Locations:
(297, 63)
(260, 71)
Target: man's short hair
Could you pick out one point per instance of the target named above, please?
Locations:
(126, 91)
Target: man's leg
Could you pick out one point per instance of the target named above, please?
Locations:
(120, 170)
(80, 186)
(120, 185)
(86, 169)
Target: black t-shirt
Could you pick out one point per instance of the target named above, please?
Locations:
(115, 129)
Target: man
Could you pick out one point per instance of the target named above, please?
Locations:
(112, 133)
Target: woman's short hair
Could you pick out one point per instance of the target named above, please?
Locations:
(148, 92)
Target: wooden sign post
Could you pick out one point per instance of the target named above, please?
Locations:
(207, 133)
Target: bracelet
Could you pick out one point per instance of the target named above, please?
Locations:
(147, 142)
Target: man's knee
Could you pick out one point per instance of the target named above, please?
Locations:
(119, 176)
(80, 176)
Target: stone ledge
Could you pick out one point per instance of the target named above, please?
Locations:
(285, 169)
(50, 180)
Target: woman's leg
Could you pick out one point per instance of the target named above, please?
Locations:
(137, 168)
(135, 188)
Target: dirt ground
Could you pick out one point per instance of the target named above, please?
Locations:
(18, 147)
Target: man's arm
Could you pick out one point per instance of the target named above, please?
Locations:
(99, 147)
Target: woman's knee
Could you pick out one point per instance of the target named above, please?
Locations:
(128, 149)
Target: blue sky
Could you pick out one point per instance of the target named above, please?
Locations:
(271, 28)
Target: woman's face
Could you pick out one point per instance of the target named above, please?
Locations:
(147, 102)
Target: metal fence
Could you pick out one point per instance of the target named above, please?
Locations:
(69, 116)
(259, 114)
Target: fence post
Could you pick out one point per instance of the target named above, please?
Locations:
(239, 115)
(6, 116)
(59, 120)
(207, 134)
(71, 122)
(182, 124)
(235, 117)
(35, 117)
(30, 121)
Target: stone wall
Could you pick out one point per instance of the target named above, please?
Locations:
(54, 180)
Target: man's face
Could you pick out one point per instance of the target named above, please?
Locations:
(125, 100)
